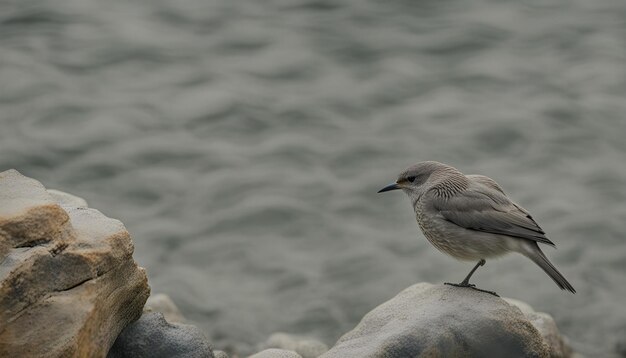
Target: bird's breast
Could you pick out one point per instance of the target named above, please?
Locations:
(458, 242)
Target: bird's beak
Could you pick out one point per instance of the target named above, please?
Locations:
(392, 186)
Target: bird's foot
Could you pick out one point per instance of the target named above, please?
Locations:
(470, 285)
(462, 284)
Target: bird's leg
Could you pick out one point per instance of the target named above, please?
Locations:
(465, 282)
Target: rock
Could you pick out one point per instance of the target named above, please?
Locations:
(220, 354)
(152, 336)
(428, 320)
(306, 347)
(66, 199)
(68, 281)
(163, 303)
(276, 353)
(544, 323)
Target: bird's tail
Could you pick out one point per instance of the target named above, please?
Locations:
(533, 252)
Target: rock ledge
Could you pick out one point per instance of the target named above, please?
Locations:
(428, 320)
(68, 281)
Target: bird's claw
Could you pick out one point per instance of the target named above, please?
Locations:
(462, 284)
(472, 286)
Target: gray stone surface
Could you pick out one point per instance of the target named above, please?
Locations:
(428, 320)
(163, 303)
(544, 323)
(306, 347)
(68, 281)
(152, 336)
(276, 353)
(220, 354)
(66, 199)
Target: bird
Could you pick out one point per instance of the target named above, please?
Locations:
(470, 218)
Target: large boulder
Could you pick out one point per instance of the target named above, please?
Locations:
(428, 320)
(153, 337)
(68, 281)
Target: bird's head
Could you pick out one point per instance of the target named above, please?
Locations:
(416, 179)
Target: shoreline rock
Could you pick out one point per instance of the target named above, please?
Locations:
(163, 303)
(304, 346)
(276, 353)
(68, 281)
(152, 336)
(428, 320)
(544, 323)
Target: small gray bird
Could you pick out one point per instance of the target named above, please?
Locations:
(470, 218)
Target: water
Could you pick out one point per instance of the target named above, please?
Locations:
(242, 144)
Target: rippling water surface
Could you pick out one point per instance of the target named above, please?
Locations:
(242, 144)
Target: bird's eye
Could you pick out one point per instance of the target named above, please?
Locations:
(411, 179)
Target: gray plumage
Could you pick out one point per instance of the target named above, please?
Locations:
(470, 217)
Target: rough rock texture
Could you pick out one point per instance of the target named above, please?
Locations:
(68, 281)
(163, 303)
(152, 336)
(544, 323)
(67, 200)
(426, 320)
(276, 353)
(306, 347)
(220, 354)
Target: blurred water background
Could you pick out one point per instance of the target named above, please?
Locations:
(242, 143)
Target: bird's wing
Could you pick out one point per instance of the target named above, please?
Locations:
(485, 181)
(481, 208)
